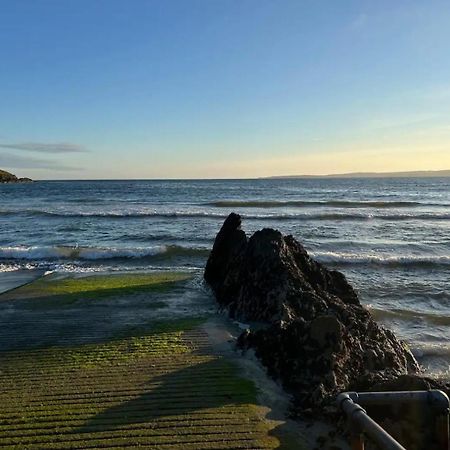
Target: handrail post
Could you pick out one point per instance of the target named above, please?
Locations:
(356, 432)
(357, 440)
(439, 401)
(442, 430)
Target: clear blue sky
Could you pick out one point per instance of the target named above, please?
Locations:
(229, 88)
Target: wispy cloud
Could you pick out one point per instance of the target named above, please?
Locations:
(42, 147)
(8, 161)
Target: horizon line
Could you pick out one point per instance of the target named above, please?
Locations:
(397, 174)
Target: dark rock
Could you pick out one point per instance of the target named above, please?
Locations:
(6, 177)
(315, 336)
(411, 383)
(224, 261)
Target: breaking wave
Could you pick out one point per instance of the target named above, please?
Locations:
(422, 350)
(51, 253)
(306, 203)
(206, 215)
(408, 314)
(382, 260)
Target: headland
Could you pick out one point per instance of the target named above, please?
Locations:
(7, 177)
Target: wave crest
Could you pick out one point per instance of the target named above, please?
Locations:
(382, 260)
(311, 203)
(68, 253)
(208, 215)
(408, 315)
(51, 253)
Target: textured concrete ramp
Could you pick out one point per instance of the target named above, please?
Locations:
(11, 280)
(156, 386)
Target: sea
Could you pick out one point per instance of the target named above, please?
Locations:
(389, 236)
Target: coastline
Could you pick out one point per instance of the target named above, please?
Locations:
(74, 305)
(391, 234)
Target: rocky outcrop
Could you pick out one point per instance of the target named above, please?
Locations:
(6, 177)
(310, 330)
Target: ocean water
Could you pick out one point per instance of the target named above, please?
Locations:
(391, 237)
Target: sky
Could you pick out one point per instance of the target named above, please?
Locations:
(105, 89)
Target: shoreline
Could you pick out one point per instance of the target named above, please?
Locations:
(430, 354)
(79, 295)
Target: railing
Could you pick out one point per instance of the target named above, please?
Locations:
(361, 424)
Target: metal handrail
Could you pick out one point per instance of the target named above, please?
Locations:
(350, 403)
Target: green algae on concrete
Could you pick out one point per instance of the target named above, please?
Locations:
(128, 345)
(159, 384)
(168, 392)
(93, 287)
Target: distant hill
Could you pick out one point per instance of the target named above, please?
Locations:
(418, 174)
(6, 177)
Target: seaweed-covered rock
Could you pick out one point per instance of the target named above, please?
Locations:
(315, 336)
